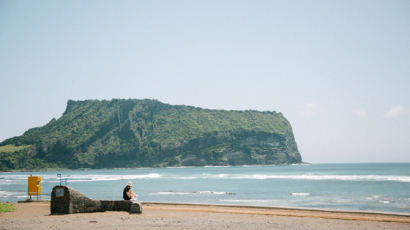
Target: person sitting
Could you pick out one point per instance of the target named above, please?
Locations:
(128, 194)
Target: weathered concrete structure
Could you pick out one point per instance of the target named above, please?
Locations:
(66, 200)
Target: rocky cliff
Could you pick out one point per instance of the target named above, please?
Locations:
(134, 133)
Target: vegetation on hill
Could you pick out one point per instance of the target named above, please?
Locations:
(134, 133)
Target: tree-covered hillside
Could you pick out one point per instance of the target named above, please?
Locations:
(133, 133)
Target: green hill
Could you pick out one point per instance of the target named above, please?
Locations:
(134, 133)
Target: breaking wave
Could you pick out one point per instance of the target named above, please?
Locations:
(309, 177)
(82, 178)
(300, 194)
(192, 193)
(5, 194)
(247, 201)
(12, 179)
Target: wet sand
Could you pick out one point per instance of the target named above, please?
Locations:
(186, 216)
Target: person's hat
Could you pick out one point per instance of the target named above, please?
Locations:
(129, 183)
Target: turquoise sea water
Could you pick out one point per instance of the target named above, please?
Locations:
(371, 187)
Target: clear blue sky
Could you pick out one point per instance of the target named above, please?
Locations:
(338, 70)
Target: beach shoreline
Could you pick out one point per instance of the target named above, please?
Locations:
(36, 215)
(288, 211)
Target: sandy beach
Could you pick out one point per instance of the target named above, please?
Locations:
(186, 216)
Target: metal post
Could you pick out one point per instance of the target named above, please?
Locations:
(59, 175)
(38, 185)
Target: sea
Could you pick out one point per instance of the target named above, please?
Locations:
(374, 187)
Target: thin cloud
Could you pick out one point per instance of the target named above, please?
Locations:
(360, 113)
(395, 111)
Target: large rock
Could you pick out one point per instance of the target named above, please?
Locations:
(66, 200)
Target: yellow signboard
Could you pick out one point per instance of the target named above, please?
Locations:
(34, 185)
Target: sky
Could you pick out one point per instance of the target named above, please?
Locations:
(338, 70)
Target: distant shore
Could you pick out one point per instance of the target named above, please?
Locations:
(193, 216)
(144, 167)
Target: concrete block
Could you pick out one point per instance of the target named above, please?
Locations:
(66, 200)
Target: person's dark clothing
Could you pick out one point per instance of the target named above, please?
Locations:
(124, 193)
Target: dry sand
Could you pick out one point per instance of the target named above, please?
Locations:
(177, 216)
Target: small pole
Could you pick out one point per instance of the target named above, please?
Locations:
(59, 175)
(30, 195)
(38, 185)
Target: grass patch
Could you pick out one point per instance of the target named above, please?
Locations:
(7, 207)
(12, 148)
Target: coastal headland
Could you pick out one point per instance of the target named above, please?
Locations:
(129, 133)
(194, 216)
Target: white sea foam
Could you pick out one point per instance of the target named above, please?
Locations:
(5, 194)
(184, 177)
(309, 177)
(373, 197)
(223, 175)
(300, 194)
(13, 178)
(300, 164)
(22, 179)
(10, 194)
(216, 193)
(178, 167)
(170, 193)
(83, 178)
(217, 166)
(17, 179)
(247, 201)
(255, 177)
(192, 193)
